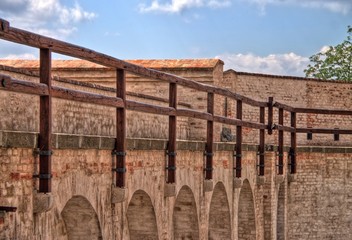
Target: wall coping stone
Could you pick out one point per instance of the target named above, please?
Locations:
(13, 139)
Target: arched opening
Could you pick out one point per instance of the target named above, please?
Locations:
(246, 213)
(81, 220)
(219, 215)
(280, 224)
(141, 217)
(185, 219)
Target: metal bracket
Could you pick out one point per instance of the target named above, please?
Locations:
(3, 82)
(260, 165)
(119, 170)
(208, 169)
(237, 155)
(279, 154)
(237, 168)
(173, 168)
(114, 152)
(8, 209)
(43, 153)
(260, 154)
(208, 154)
(173, 154)
(43, 176)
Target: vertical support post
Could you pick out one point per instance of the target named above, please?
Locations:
(281, 143)
(120, 143)
(293, 149)
(171, 151)
(262, 143)
(210, 139)
(270, 115)
(45, 122)
(238, 155)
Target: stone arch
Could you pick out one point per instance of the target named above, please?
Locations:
(141, 217)
(280, 218)
(219, 214)
(246, 213)
(81, 220)
(185, 218)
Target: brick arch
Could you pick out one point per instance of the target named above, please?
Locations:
(246, 213)
(219, 214)
(141, 217)
(185, 218)
(81, 220)
(280, 218)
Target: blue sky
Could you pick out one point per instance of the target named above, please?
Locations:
(266, 36)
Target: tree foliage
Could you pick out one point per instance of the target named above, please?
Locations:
(333, 64)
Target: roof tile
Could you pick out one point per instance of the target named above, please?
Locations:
(153, 63)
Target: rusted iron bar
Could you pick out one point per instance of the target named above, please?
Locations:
(323, 111)
(227, 93)
(12, 84)
(120, 143)
(237, 122)
(148, 108)
(238, 165)
(159, 99)
(194, 114)
(281, 143)
(210, 139)
(41, 89)
(45, 109)
(15, 85)
(38, 41)
(270, 115)
(262, 143)
(324, 131)
(284, 107)
(8, 209)
(284, 128)
(293, 149)
(68, 94)
(171, 150)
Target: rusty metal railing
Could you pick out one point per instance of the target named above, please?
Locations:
(46, 92)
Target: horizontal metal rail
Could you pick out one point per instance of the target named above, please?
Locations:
(38, 41)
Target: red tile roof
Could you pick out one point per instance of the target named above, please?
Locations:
(157, 64)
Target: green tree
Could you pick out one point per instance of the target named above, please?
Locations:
(333, 64)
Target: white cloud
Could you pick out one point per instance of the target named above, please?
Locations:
(289, 64)
(49, 17)
(339, 6)
(28, 56)
(177, 6)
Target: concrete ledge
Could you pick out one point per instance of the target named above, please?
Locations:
(237, 183)
(118, 195)
(279, 179)
(208, 185)
(170, 190)
(260, 180)
(42, 202)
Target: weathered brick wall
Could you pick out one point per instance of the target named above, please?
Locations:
(296, 92)
(82, 183)
(20, 112)
(319, 200)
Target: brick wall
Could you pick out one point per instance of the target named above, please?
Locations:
(296, 92)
